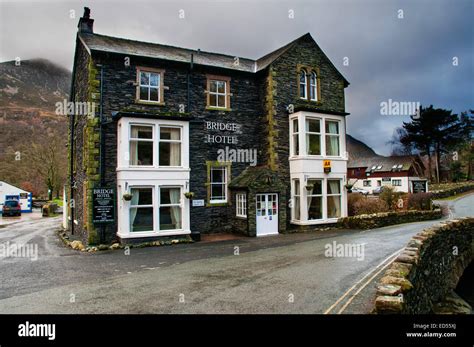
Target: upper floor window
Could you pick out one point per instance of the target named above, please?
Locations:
(296, 143)
(313, 87)
(303, 84)
(308, 84)
(397, 183)
(332, 138)
(170, 146)
(313, 136)
(141, 145)
(149, 88)
(218, 184)
(218, 92)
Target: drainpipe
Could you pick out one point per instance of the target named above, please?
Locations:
(102, 143)
(189, 82)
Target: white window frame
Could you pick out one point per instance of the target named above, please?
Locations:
(241, 205)
(329, 195)
(323, 181)
(296, 195)
(130, 139)
(143, 206)
(326, 135)
(296, 134)
(217, 94)
(159, 205)
(312, 133)
(211, 183)
(313, 87)
(180, 141)
(149, 86)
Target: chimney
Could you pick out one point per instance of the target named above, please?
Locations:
(86, 23)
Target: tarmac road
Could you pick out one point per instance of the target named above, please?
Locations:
(277, 274)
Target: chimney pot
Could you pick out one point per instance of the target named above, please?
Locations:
(86, 23)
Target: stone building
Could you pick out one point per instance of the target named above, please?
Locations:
(195, 142)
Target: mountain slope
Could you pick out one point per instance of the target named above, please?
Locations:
(357, 149)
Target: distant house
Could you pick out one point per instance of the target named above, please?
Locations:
(10, 192)
(404, 173)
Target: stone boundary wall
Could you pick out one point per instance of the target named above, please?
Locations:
(428, 269)
(378, 220)
(440, 194)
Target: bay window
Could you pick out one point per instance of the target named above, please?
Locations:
(313, 136)
(169, 146)
(296, 200)
(170, 208)
(315, 199)
(141, 145)
(334, 198)
(141, 209)
(332, 138)
(296, 141)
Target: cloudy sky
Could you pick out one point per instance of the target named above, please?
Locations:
(407, 59)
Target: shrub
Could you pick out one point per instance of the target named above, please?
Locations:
(420, 201)
(390, 196)
(352, 198)
(368, 206)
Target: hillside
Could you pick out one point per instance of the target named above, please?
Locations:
(357, 149)
(28, 94)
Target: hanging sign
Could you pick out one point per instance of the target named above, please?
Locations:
(327, 166)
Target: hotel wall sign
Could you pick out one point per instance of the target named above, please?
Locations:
(198, 203)
(327, 166)
(103, 205)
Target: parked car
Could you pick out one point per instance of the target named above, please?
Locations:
(359, 191)
(11, 208)
(378, 190)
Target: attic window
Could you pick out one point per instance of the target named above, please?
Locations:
(373, 167)
(308, 83)
(303, 84)
(379, 167)
(218, 92)
(400, 166)
(149, 85)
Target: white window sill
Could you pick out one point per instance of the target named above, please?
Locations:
(151, 168)
(314, 222)
(317, 157)
(141, 234)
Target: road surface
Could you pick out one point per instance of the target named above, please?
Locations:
(278, 274)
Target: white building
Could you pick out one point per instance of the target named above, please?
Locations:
(10, 192)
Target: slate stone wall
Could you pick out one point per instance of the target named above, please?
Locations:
(427, 270)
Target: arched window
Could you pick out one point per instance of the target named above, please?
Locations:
(313, 86)
(303, 85)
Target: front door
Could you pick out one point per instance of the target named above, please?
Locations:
(267, 214)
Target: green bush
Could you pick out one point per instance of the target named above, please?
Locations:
(352, 198)
(390, 196)
(420, 201)
(369, 205)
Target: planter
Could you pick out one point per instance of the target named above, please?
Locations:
(189, 195)
(127, 196)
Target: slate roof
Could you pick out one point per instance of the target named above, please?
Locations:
(386, 163)
(103, 43)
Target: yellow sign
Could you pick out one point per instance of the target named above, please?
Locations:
(327, 164)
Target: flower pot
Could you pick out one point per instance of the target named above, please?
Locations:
(127, 196)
